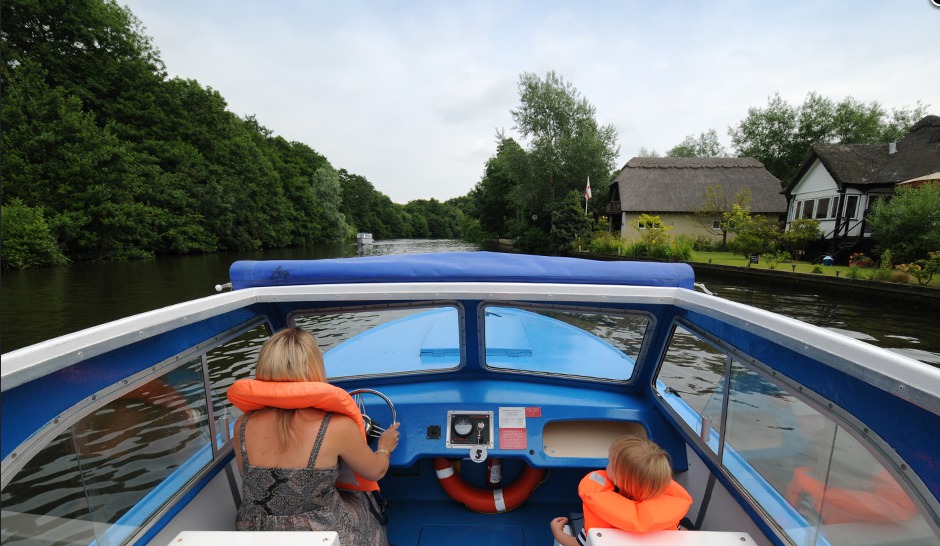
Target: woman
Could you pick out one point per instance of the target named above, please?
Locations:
(291, 449)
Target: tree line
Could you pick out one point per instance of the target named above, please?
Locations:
(105, 157)
(531, 188)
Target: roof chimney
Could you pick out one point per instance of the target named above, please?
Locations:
(892, 148)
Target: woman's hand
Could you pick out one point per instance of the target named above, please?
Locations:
(388, 441)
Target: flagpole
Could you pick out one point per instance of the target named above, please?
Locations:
(587, 195)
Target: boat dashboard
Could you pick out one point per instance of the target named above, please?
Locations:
(545, 425)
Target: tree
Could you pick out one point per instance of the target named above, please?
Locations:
(705, 145)
(569, 224)
(754, 234)
(653, 232)
(327, 194)
(565, 143)
(908, 224)
(717, 205)
(780, 135)
(27, 239)
(496, 195)
(802, 232)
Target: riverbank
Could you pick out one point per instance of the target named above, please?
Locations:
(918, 296)
(921, 297)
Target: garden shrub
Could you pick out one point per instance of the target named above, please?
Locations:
(606, 243)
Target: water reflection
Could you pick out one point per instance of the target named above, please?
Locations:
(900, 327)
(46, 303)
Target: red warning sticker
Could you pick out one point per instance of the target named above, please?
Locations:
(533, 411)
(512, 438)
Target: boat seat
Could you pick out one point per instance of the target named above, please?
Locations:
(250, 538)
(616, 537)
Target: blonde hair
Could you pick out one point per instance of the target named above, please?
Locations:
(291, 354)
(642, 470)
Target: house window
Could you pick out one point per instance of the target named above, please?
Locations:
(835, 207)
(808, 209)
(716, 224)
(851, 207)
(798, 211)
(822, 208)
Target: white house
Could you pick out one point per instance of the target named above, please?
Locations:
(837, 184)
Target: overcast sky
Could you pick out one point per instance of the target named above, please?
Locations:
(411, 94)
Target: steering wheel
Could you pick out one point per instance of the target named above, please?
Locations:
(373, 429)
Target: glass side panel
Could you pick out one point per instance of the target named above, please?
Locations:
(384, 341)
(691, 381)
(228, 363)
(580, 343)
(112, 470)
(812, 476)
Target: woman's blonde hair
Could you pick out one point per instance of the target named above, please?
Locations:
(642, 470)
(291, 354)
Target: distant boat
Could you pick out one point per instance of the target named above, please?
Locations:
(364, 238)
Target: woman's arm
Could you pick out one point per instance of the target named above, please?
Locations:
(354, 450)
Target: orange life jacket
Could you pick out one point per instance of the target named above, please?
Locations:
(604, 507)
(884, 502)
(251, 394)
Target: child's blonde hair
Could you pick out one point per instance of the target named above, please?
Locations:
(641, 469)
(291, 354)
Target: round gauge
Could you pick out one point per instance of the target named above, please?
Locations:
(463, 426)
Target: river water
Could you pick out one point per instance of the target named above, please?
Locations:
(46, 303)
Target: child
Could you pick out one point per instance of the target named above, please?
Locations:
(636, 493)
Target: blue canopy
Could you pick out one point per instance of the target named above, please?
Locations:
(459, 267)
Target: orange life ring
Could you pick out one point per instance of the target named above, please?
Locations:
(487, 501)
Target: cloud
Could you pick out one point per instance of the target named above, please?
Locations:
(411, 95)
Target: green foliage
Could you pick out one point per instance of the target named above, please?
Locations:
(497, 196)
(652, 231)
(125, 162)
(780, 134)
(717, 205)
(908, 224)
(569, 224)
(705, 145)
(566, 146)
(535, 241)
(606, 243)
(27, 239)
(801, 233)
(681, 249)
(855, 272)
(773, 259)
(705, 244)
(754, 234)
(923, 270)
(818, 269)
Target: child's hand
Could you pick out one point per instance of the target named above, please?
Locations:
(558, 527)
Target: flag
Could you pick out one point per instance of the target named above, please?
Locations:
(587, 190)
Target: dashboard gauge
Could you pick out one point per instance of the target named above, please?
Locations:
(463, 426)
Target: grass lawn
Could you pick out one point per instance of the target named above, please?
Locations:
(732, 259)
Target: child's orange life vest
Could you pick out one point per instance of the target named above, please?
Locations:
(251, 394)
(605, 508)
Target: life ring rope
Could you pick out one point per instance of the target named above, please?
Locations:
(487, 501)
